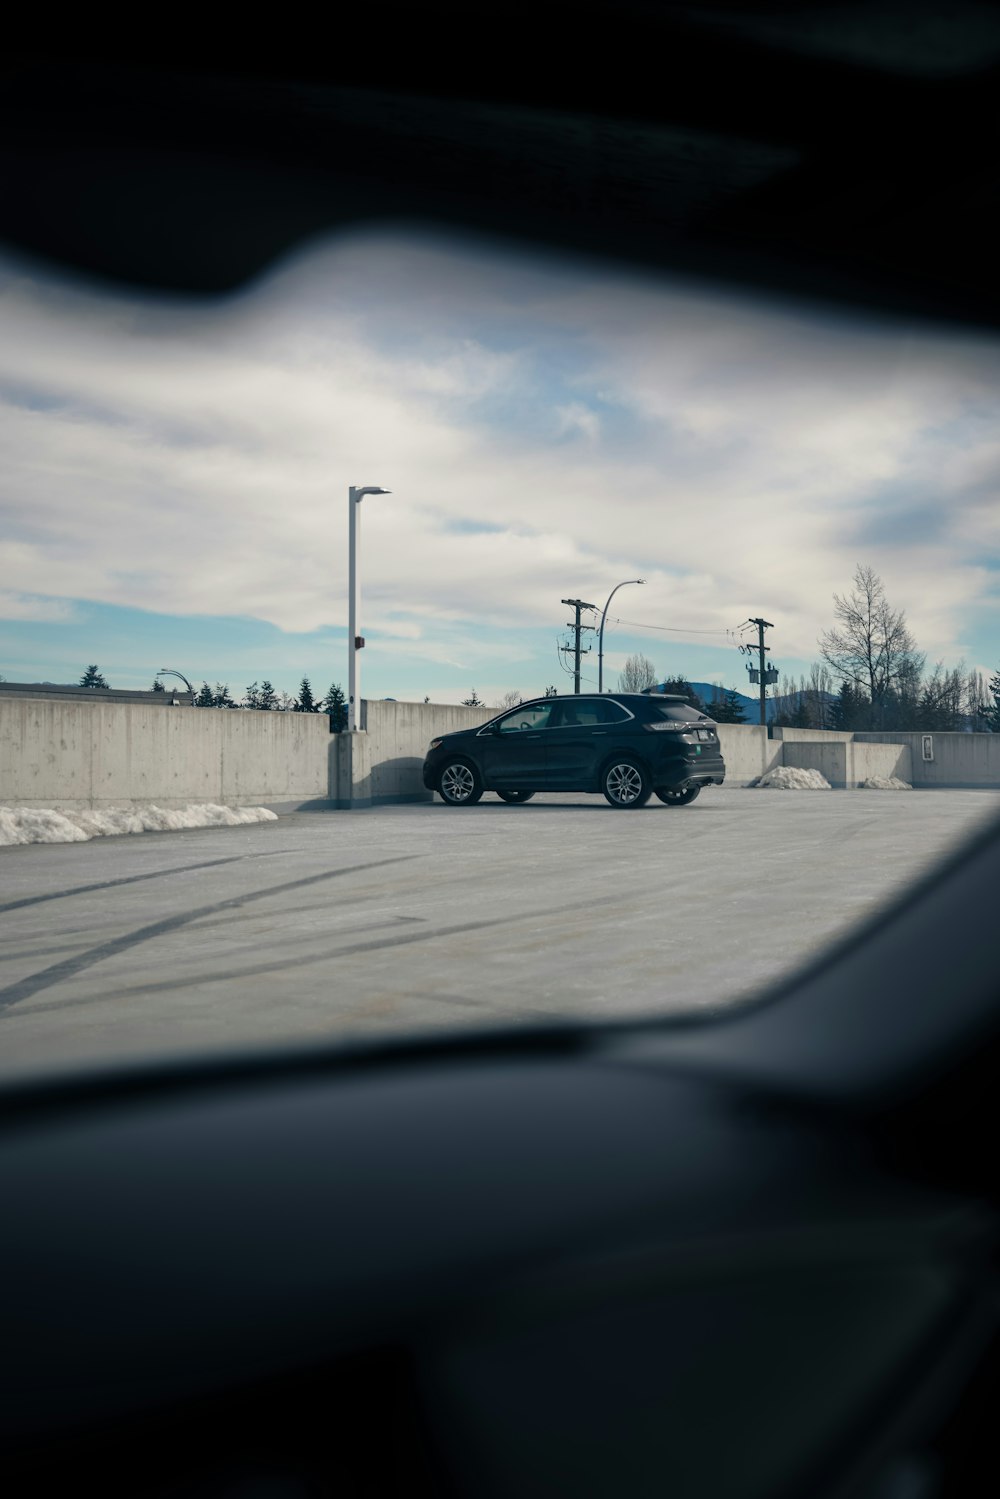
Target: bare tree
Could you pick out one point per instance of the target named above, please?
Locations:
(871, 646)
(638, 674)
(509, 700)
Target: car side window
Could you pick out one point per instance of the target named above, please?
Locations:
(526, 717)
(582, 714)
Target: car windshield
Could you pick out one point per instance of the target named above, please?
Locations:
(243, 797)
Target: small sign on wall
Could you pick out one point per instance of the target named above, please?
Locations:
(928, 746)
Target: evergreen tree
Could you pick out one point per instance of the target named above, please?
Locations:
(335, 703)
(551, 692)
(475, 701)
(251, 698)
(221, 698)
(268, 697)
(991, 706)
(306, 703)
(727, 708)
(850, 709)
(92, 677)
(681, 687)
(158, 685)
(205, 698)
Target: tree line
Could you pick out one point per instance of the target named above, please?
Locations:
(871, 676)
(262, 697)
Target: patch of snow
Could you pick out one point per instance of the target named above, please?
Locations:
(884, 783)
(792, 778)
(20, 825)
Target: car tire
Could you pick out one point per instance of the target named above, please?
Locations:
(515, 797)
(626, 783)
(460, 784)
(679, 798)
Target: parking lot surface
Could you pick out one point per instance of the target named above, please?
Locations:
(333, 925)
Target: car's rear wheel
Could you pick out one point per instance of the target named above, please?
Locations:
(515, 796)
(460, 785)
(679, 798)
(626, 784)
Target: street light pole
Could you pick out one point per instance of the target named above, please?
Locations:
(168, 671)
(600, 642)
(355, 642)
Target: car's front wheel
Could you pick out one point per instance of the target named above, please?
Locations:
(459, 785)
(626, 784)
(679, 798)
(515, 796)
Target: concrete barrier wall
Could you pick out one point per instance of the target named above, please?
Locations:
(747, 751)
(384, 763)
(963, 761)
(844, 762)
(70, 753)
(888, 759)
(813, 736)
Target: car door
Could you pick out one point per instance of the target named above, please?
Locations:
(513, 748)
(577, 741)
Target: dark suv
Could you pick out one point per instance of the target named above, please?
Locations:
(629, 745)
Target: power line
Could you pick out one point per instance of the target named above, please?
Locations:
(670, 629)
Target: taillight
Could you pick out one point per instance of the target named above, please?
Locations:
(665, 727)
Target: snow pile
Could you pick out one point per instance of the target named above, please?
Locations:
(40, 825)
(792, 778)
(884, 783)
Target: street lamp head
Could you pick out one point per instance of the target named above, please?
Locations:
(360, 492)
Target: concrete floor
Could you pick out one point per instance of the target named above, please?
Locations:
(328, 925)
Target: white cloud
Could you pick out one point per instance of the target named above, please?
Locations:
(742, 459)
(25, 607)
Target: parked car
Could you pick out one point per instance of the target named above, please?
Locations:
(630, 746)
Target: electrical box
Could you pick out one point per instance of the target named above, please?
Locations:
(359, 641)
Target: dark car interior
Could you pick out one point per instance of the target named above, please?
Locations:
(754, 1255)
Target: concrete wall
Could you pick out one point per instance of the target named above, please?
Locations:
(67, 752)
(383, 764)
(747, 751)
(73, 753)
(965, 761)
(845, 763)
(812, 736)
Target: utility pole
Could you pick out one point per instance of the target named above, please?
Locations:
(576, 627)
(766, 674)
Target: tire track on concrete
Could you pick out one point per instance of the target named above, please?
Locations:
(129, 879)
(166, 986)
(69, 967)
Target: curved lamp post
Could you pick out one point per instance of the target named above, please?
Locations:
(600, 643)
(356, 494)
(168, 671)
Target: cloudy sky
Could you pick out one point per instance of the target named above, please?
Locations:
(174, 475)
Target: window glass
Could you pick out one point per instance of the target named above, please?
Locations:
(586, 713)
(526, 718)
(680, 713)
